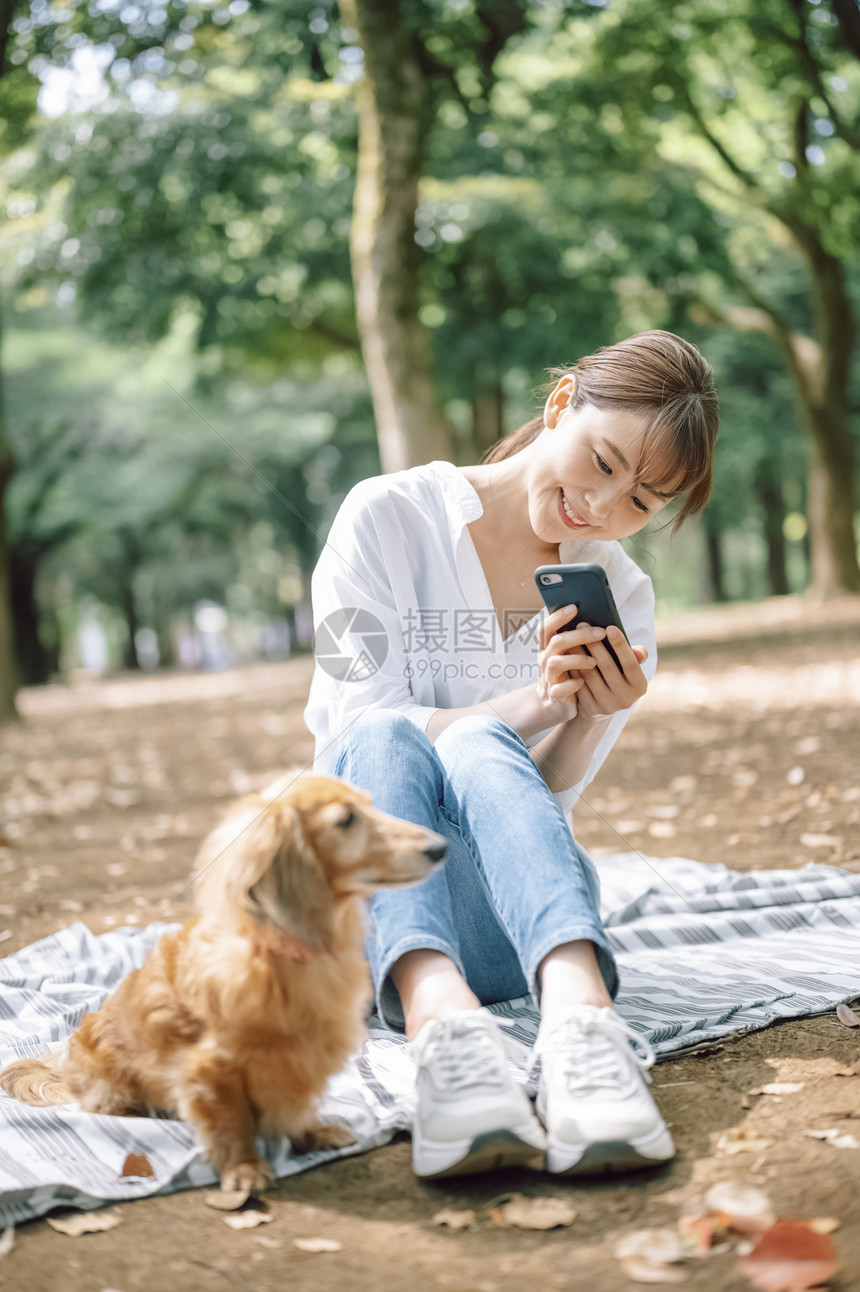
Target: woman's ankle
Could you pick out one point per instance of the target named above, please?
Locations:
(570, 975)
(430, 987)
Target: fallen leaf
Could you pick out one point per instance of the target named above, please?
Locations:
(454, 1219)
(834, 1137)
(227, 1199)
(789, 1257)
(853, 1071)
(247, 1219)
(740, 1207)
(318, 1244)
(824, 1224)
(779, 1088)
(84, 1222)
(533, 1213)
(137, 1164)
(821, 840)
(642, 1271)
(657, 1246)
(7, 1241)
(847, 1016)
(700, 1232)
(738, 1140)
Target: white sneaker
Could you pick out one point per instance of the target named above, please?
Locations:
(470, 1113)
(593, 1098)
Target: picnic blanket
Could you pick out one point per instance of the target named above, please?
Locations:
(704, 953)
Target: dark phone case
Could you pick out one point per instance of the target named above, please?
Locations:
(587, 588)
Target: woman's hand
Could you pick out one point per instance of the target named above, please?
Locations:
(608, 689)
(564, 666)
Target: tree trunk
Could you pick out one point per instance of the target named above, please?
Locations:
(8, 668)
(714, 553)
(128, 606)
(30, 653)
(395, 113)
(821, 368)
(488, 413)
(767, 486)
(827, 399)
(166, 642)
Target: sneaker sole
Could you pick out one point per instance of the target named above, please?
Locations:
(487, 1152)
(610, 1156)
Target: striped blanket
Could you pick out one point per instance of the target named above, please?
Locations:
(704, 952)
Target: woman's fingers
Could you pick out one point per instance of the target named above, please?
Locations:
(582, 636)
(627, 656)
(567, 686)
(629, 676)
(557, 666)
(555, 619)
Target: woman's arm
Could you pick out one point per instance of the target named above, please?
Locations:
(542, 704)
(563, 756)
(519, 709)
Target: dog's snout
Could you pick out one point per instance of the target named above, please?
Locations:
(436, 851)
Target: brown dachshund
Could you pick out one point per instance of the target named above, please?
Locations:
(236, 1022)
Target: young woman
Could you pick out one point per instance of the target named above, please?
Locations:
(444, 688)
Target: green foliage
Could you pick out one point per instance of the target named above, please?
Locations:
(593, 171)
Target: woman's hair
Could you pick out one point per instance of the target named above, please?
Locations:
(665, 381)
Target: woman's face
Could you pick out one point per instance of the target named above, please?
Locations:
(588, 458)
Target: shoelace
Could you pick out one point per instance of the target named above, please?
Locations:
(589, 1046)
(457, 1065)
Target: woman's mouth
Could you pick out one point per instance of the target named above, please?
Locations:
(570, 518)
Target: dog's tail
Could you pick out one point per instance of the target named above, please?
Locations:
(37, 1081)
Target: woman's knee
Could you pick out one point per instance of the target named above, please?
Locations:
(474, 728)
(380, 728)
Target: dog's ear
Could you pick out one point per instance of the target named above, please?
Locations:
(284, 882)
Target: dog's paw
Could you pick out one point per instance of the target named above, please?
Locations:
(247, 1177)
(331, 1135)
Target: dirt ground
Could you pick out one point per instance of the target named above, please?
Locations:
(745, 751)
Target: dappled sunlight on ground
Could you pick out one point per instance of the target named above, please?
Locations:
(744, 752)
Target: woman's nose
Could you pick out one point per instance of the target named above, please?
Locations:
(600, 502)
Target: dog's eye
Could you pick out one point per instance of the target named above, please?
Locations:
(346, 821)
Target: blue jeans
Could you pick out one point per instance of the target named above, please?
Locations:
(514, 885)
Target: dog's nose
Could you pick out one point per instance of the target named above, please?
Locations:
(436, 851)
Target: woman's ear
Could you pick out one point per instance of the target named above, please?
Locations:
(559, 399)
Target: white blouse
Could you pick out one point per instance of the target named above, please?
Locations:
(404, 618)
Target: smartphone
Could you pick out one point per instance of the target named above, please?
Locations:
(587, 588)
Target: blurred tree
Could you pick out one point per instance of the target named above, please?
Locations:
(770, 89)
(416, 57)
(17, 100)
(205, 196)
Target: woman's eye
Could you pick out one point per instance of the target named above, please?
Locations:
(640, 505)
(604, 466)
(346, 821)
